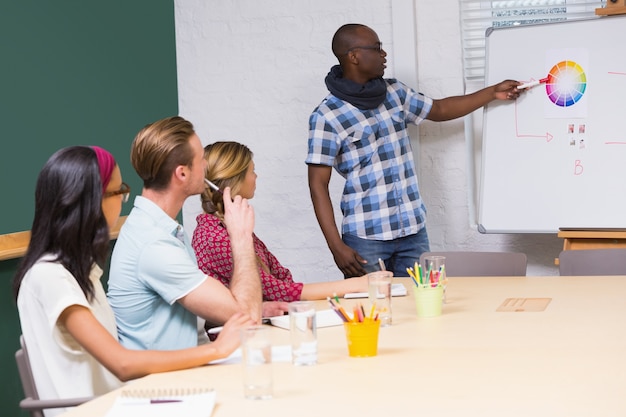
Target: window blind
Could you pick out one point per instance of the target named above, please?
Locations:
(477, 16)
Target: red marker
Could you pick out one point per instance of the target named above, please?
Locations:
(532, 83)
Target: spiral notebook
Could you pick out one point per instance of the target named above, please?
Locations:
(191, 402)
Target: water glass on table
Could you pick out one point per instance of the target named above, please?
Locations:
(434, 270)
(256, 348)
(303, 332)
(379, 285)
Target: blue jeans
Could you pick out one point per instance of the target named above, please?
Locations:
(398, 254)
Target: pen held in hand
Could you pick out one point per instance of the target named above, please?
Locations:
(214, 332)
(213, 186)
(532, 83)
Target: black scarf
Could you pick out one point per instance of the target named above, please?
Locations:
(363, 96)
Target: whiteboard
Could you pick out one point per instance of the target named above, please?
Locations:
(556, 157)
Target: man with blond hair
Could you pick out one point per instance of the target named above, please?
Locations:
(155, 287)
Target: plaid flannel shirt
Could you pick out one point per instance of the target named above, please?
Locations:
(371, 149)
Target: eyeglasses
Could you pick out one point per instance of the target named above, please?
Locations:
(378, 48)
(124, 191)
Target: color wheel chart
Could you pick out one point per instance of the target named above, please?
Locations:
(566, 83)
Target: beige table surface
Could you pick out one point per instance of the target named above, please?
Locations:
(568, 360)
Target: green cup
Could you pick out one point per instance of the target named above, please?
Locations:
(428, 301)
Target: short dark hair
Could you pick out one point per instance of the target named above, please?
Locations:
(345, 38)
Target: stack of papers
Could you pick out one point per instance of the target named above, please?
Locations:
(323, 318)
(397, 290)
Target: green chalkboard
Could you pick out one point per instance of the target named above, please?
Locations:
(78, 73)
(73, 73)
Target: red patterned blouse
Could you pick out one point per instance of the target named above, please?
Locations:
(212, 246)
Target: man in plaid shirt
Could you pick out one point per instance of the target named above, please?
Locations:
(360, 129)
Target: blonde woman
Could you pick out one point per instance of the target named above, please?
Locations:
(230, 164)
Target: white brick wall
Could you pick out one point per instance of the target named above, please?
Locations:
(252, 71)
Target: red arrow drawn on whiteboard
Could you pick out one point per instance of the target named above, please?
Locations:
(548, 136)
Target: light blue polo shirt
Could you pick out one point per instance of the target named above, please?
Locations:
(153, 266)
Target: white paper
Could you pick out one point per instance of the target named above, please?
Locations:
(397, 290)
(191, 405)
(280, 353)
(323, 318)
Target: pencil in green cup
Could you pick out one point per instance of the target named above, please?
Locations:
(443, 282)
(419, 269)
(413, 276)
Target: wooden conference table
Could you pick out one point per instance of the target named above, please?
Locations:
(567, 360)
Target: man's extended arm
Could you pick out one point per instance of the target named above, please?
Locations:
(457, 106)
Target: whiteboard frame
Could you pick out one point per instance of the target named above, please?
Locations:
(520, 217)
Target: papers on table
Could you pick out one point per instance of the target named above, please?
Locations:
(397, 290)
(279, 354)
(163, 403)
(324, 318)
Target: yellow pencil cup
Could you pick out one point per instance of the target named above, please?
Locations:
(428, 301)
(362, 338)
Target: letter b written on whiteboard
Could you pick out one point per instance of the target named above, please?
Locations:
(578, 167)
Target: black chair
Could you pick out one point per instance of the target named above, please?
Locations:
(482, 264)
